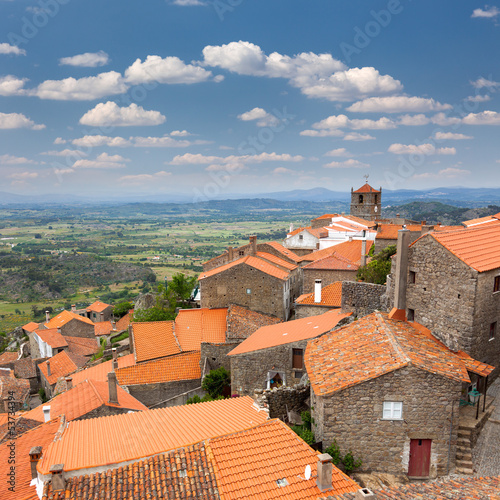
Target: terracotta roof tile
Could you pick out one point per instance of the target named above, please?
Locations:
(249, 463)
(333, 263)
(276, 260)
(482, 220)
(474, 366)
(22, 425)
(194, 326)
(477, 246)
(100, 372)
(255, 262)
(82, 399)
(375, 345)
(63, 318)
(184, 474)
(366, 188)
(8, 357)
(19, 386)
(390, 231)
(39, 436)
(317, 232)
(331, 295)
(184, 366)
(92, 443)
(122, 323)
(25, 368)
(284, 251)
(97, 307)
(31, 326)
(52, 337)
(103, 328)
(61, 365)
(242, 322)
(349, 250)
(82, 346)
(154, 339)
(291, 331)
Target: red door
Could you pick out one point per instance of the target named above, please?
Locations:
(420, 457)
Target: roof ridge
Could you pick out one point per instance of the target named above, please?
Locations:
(392, 338)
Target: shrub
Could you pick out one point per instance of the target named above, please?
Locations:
(334, 451)
(215, 382)
(350, 463)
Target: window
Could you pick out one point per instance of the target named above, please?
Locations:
(249, 291)
(411, 314)
(493, 330)
(361, 198)
(297, 359)
(301, 236)
(241, 253)
(392, 410)
(412, 276)
(496, 284)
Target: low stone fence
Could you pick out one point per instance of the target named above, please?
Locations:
(276, 401)
(362, 298)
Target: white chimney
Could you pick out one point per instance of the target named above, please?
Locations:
(317, 291)
(69, 383)
(115, 359)
(46, 413)
(363, 249)
(73, 308)
(325, 468)
(363, 494)
(291, 228)
(47, 316)
(114, 325)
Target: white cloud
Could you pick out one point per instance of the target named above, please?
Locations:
(484, 83)
(110, 114)
(283, 170)
(342, 121)
(6, 48)
(397, 104)
(478, 98)
(140, 178)
(199, 159)
(17, 120)
(23, 176)
(65, 152)
(444, 121)
(60, 140)
(356, 136)
(103, 161)
(264, 119)
(338, 152)
(446, 173)
(87, 60)
(413, 120)
(167, 70)
(14, 160)
(11, 85)
(188, 3)
(488, 12)
(316, 75)
(160, 142)
(420, 149)
(322, 133)
(346, 164)
(180, 133)
(443, 136)
(83, 89)
(483, 118)
(100, 140)
(271, 157)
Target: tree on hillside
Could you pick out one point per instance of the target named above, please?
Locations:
(182, 287)
(378, 268)
(121, 309)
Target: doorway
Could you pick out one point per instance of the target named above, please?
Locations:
(420, 457)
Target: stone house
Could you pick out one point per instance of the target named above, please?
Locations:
(304, 240)
(50, 342)
(389, 391)
(14, 394)
(273, 355)
(366, 202)
(26, 368)
(262, 282)
(323, 299)
(99, 311)
(449, 281)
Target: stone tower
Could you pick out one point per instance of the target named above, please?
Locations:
(366, 202)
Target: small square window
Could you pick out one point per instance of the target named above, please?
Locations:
(411, 314)
(241, 253)
(249, 291)
(493, 330)
(301, 236)
(496, 284)
(412, 277)
(297, 359)
(393, 410)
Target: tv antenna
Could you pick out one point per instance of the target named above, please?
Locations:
(366, 177)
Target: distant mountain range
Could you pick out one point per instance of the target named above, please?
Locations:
(456, 196)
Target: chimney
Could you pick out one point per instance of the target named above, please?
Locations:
(115, 359)
(131, 338)
(69, 383)
(58, 482)
(59, 330)
(49, 373)
(253, 243)
(35, 456)
(46, 413)
(401, 269)
(325, 467)
(113, 324)
(73, 308)
(102, 316)
(47, 316)
(317, 291)
(230, 254)
(363, 494)
(112, 387)
(426, 229)
(291, 227)
(363, 249)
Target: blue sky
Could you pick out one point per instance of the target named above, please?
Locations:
(207, 97)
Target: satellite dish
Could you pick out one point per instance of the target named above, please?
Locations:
(307, 473)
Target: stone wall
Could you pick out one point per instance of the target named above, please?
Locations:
(326, 276)
(152, 394)
(103, 411)
(77, 328)
(216, 355)
(249, 370)
(267, 293)
(353, 417)
(361, 298)
(306, 310)
(276, 401)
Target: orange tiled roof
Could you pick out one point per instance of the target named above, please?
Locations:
(373, 346)
(31, 326)
(82, 345)
(317, 232)
(93, 443)
(327, 216)
(366, 188)
(249, 463)
(122, 323)
(349, 249)
(184, 366)
(474, 366)
(63, 318)
(476, 246)
(154, 339)
(482, 220)
(276, 260)
(390, 231)
(166, 479)
(103, 328)
(439, 227)
(8, 357)
(61, 365)
(242, 322)
(359, 220)
(333, 263)
(331, 295)
(284, 251)
(42, 436)
(291, 331)
(255, 262)
(82, 399)
(194, 326)
(98, 306)
(100, 372)
(52, 337)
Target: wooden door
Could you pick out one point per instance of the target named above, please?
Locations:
(420, 457)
